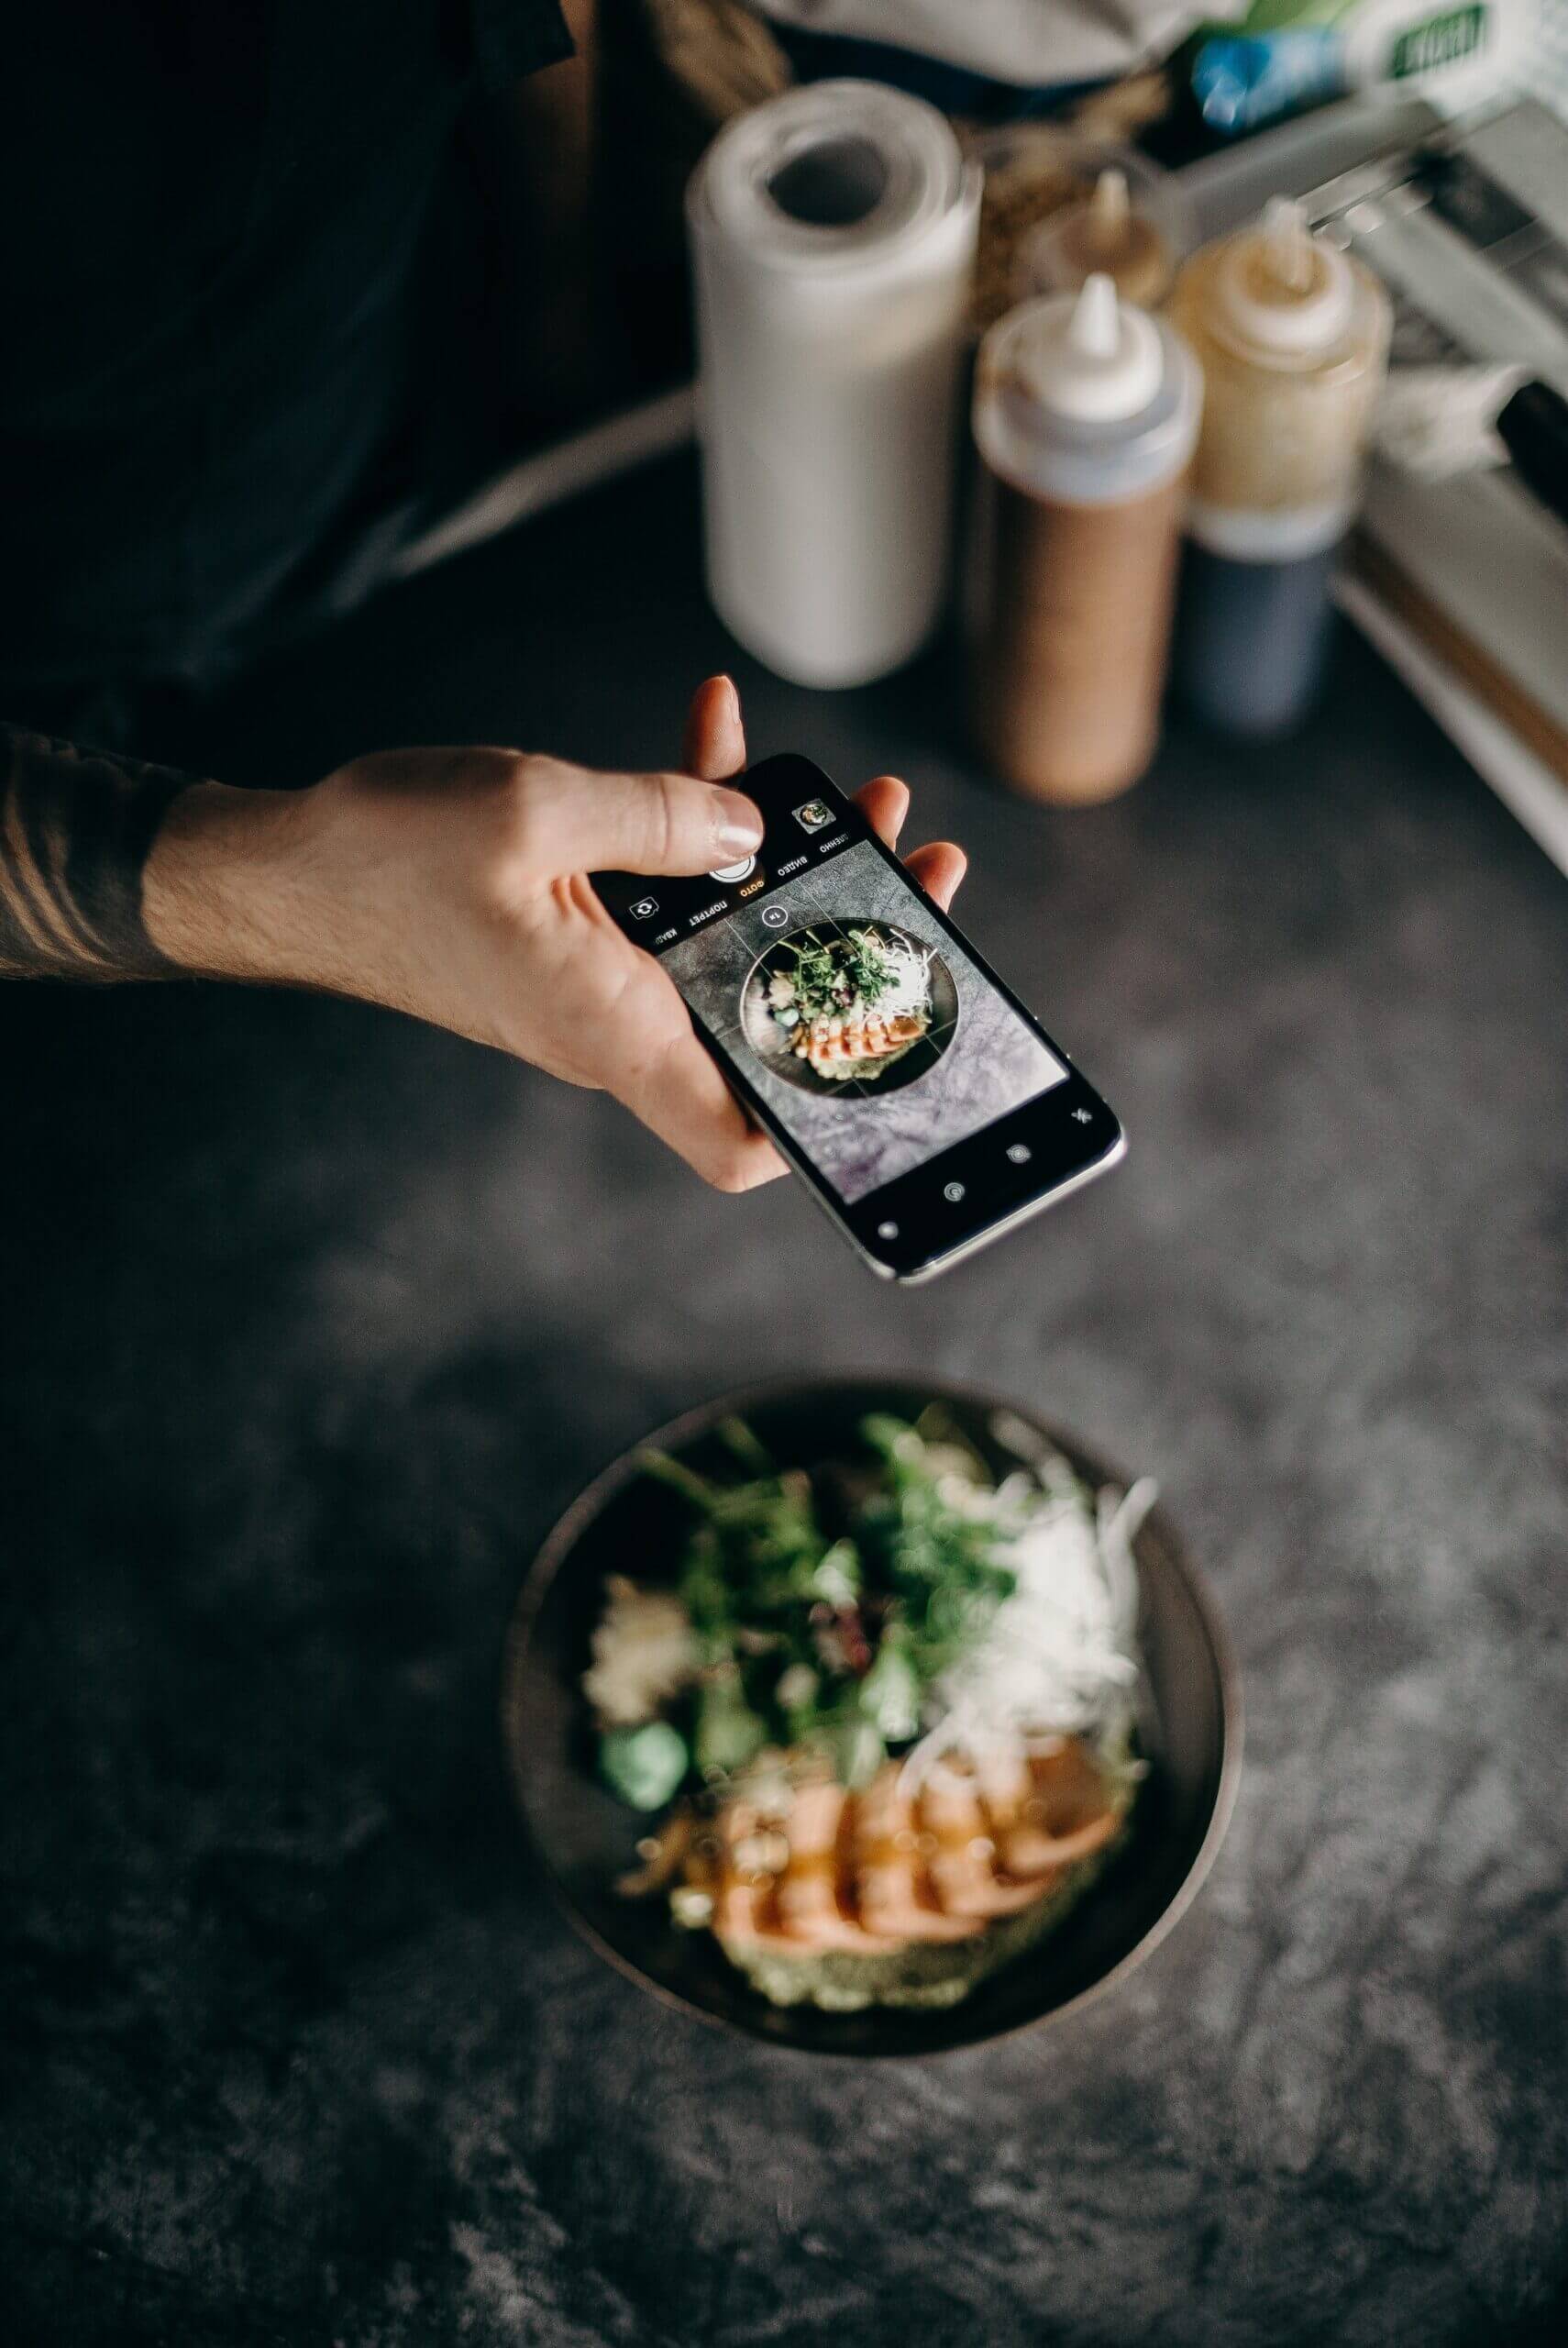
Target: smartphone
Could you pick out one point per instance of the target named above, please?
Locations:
(926, 1109)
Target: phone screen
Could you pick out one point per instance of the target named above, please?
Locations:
(854, 1017)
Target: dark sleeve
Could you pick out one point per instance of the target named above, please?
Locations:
(516, 37)
(76, 829)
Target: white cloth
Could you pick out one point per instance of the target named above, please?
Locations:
(1035, 44)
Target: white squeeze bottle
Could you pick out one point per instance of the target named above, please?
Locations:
(1086, 412)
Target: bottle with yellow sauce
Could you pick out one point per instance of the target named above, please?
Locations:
(1292, 335)
(1123, 227)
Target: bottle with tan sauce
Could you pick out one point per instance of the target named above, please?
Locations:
(1128, 227)
(1292, 335)
(1086, 414)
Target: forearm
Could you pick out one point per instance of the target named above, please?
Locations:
(113, 870)
(448, 883)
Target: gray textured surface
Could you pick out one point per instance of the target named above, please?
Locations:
(313, 1318)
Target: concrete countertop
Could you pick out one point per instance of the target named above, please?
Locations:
(315, 1318)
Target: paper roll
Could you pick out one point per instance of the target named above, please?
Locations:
(833, 235)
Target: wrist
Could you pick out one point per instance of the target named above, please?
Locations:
(221, 889)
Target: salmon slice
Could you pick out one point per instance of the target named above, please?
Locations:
(1001, 1774)
(830, 1042)
(1066, 1814)
(964, 1865)
(809, 1911)
(744, 1905)
(892, 1887)
(872, 1872)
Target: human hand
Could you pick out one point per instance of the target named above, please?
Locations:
(451, 884)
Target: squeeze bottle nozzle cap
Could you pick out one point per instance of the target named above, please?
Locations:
(1282, 289)
(1089, 356)
(1094, 330)
(1288, 240)
(1110, 206)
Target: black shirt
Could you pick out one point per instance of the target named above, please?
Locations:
(211, 221)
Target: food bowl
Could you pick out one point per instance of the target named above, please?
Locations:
(771, 1043)
(1190, 1732)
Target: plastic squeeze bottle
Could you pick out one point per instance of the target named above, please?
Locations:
(1292, 335)
(1112, 230)
(1085, 417)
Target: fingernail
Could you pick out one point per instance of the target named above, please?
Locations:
(737, 827)
(733, 689)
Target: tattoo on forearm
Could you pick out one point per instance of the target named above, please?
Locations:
(76, 829)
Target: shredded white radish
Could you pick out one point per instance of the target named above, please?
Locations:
(1060, 1654)
(908, 990)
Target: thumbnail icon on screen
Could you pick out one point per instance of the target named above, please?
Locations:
(814, 816)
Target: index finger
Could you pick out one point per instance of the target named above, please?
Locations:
(714, 747)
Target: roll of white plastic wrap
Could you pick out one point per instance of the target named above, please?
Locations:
(832, 234)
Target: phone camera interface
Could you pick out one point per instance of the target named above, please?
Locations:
(857, 1020)
(814, 816)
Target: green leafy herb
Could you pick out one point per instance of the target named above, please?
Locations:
(824, 1607)
(854, 1748)
(828, 978)
(890, 1691)
(729, 1734)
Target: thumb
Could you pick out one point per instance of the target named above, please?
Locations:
(651, 823)
(715, 737)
